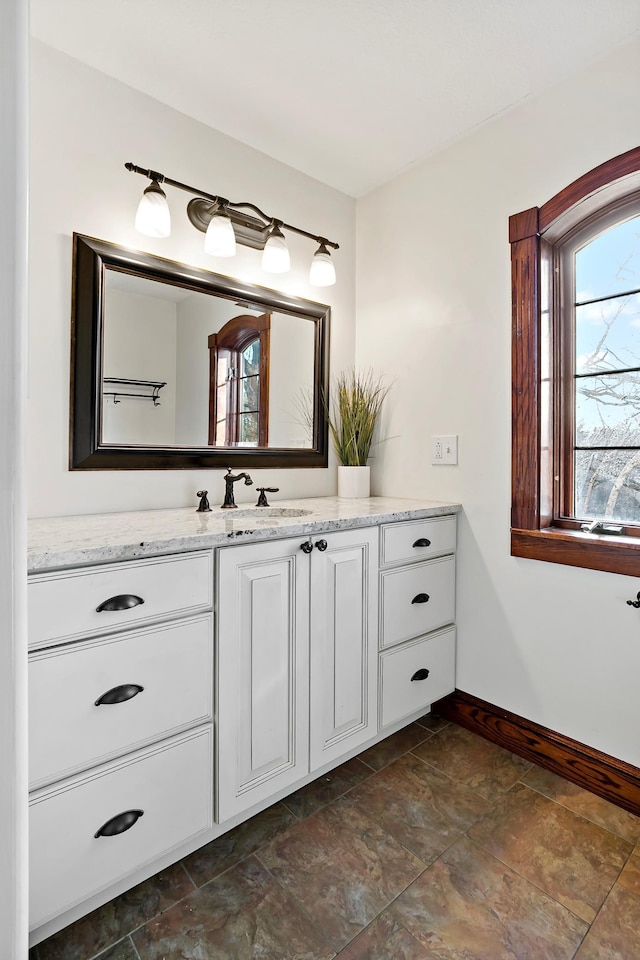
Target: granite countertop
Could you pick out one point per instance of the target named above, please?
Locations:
(55, 542)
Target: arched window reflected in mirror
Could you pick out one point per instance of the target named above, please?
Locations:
(239, 383)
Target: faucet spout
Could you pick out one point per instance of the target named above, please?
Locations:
(229, 480)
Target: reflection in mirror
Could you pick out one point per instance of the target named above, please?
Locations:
(232, 378)
(177, 367)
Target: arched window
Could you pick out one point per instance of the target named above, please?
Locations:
(239, 383)
(576, 372)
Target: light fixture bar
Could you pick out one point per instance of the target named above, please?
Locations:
(230, 205)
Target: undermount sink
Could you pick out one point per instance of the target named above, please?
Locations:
(258, 513)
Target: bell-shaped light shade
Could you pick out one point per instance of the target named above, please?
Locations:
(275, 256)
(323, 272)
(220, 240)
(153, 217)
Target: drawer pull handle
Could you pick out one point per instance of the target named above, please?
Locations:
(124, 601)
(420, 674)
(321, 545)
(422, 542)
(421, 598)
(634, 603)
(126, 691)
(307, 546)
(119, 824)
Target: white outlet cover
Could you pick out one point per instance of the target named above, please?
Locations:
(444, 449)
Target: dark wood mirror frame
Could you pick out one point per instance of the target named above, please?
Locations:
(91, 258)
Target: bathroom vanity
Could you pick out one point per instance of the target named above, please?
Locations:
(188, 669)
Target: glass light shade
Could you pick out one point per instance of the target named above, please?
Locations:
(322, 272)
(220, 240)
(275, 256)
(153, 218)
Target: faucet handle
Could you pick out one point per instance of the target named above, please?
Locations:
(263, 491)
(203, 506)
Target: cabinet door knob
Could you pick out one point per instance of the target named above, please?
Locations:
(421, 598)
(321, 545)
(123, 601)
(126, 691)
(422, 542)
(307, 546)
(420, 674)
(634, 603)
(119, 824)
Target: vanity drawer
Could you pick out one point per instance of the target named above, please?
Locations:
(63, 605)
(172, 663)
(417, 539)
(416, 599)
(400, 695)
(173, 786)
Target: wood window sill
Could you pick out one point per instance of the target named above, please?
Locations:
(577, 549)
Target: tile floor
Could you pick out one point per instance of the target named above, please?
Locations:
(432, 845)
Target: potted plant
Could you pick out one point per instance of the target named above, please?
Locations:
(353, 414)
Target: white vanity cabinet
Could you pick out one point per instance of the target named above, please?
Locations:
(296, 660)
(172, 696)
(417, 613)
(121, 735)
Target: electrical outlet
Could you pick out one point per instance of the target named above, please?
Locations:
(444, 450)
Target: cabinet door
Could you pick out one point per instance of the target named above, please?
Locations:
(344, 606)
(262, 671)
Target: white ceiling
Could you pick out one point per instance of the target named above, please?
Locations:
(351, 92)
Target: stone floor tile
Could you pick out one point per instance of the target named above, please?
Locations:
(432, 722)
(418, 805)
(573, 860)
(587, 804)
(342, 868)
(384, 939)
(327, 788)
(630, 876)
(470, 905)
(124, 950)
(464, 756)
(232, 847)
(109, 923)
(241, 914)
(615, 933)
(395, 746)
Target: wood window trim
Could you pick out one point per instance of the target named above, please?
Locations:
(532, 234)
(235, 335)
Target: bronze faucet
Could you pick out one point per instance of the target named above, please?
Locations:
(230, 479)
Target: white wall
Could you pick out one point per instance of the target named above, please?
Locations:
(555, 644)
(85, 126)
(291, 347)
(139, 343)
(13, 641)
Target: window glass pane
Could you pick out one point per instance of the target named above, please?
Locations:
(608, 335)
(250, 359)
(608, 485)
(223, 366)
(608, 410)
(249, 429)
(222, 394)
(250, 394)
(610, 263)
(221, 433)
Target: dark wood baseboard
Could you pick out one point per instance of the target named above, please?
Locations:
(603, 775)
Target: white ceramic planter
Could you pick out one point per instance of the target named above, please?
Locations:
(354, 481)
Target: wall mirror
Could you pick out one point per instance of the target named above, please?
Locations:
(174, 367)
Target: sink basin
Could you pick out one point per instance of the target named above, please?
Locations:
(264, 513)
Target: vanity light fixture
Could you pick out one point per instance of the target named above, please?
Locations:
(153, 217)
(225, 222)
(219, 239)
(323, 272)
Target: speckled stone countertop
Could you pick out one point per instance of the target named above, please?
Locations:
(55, 542)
